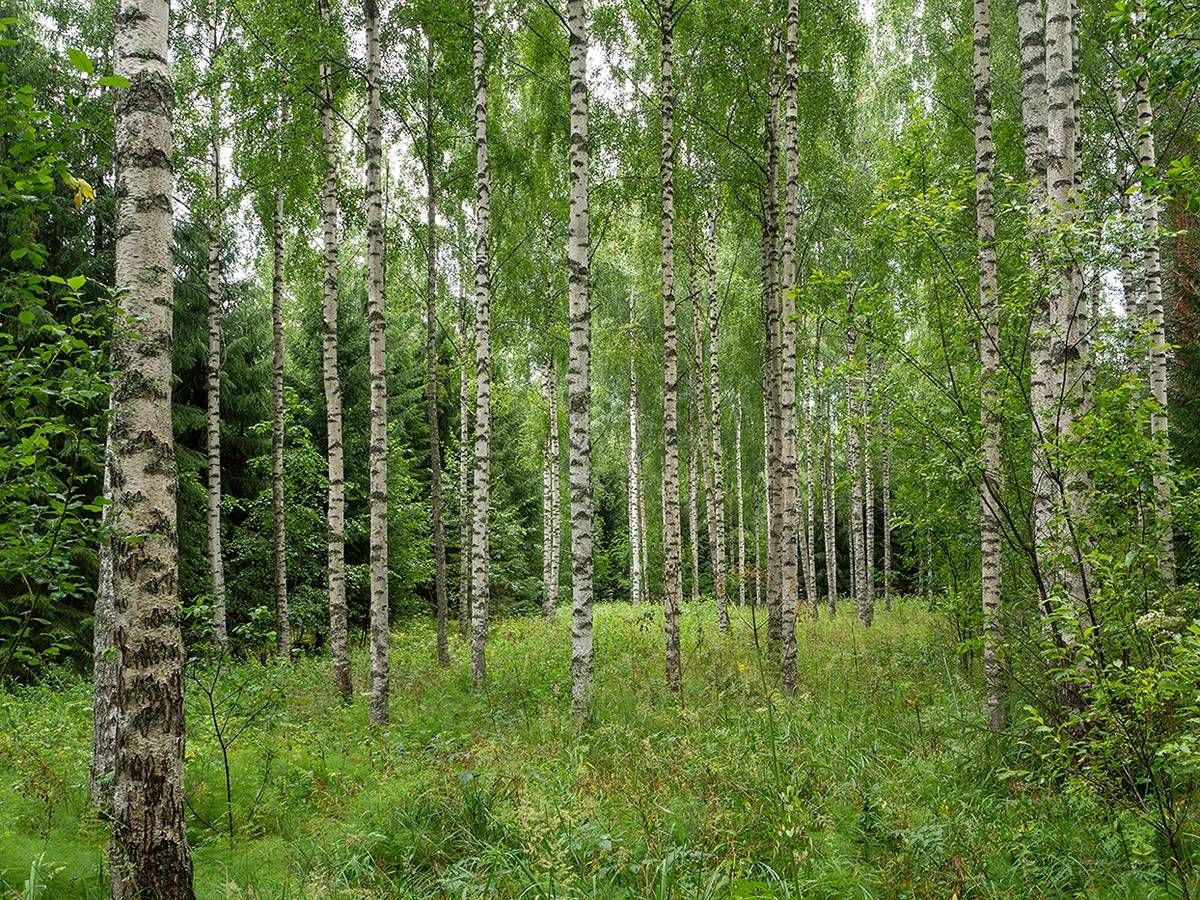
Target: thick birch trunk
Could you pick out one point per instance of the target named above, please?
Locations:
(672, 580)
(715, 460)
(377, 359)
(789, 560)
(703, 432)
(989, 355)
(548, 591)
(579, 387)
(481, 588)
(149, 852)
(437, 507)
(339, 640)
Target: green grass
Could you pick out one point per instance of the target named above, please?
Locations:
(873, 780)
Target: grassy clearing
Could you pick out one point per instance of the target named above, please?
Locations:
(875, 780)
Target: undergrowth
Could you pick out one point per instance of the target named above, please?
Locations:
(873, 780)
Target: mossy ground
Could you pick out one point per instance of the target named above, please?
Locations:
(873, 780)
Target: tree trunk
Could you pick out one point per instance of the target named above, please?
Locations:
(149, 852)
(741, 502)
(672, 580)
(377, 354)
(338, 629)
(1152, 269)
(810, 475)
(645, 548)
(483, 356)
(431, 374)
(104, 663)
(858, 575)
(694, 514)
(548, 590)
(829, 514)
(283, 625)
(555, 493)
(464, 465)
(715, 461)
(215, 556)
(1031, 27)
(885, 436)
(702, 433)
(635, 521)
(868, 456)
(1067, 349)
(579, 387)
(772, 423)
(789, 560)
(989, 355)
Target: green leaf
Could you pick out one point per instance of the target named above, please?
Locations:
(76, 282)
(115, 81)
(80, 60)
(25, 317)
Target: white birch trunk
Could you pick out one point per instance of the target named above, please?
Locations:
(715, 466)
(579, 387)
(829, 514)
(283, 625)
(480, 550)
(635, 515)
(989, 355)
(377, 359)
(339, 640)
(672, 580)
(464, 462)
(741, 502)
(149, 854)
(789, 559)
(1152, 270)
(215, 556)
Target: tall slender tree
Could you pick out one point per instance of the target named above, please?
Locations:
(283, 625)
(989, 355)
(480, 549)
(741, 501)
(1152, 271)
(868, 474)
(213, 418)
(672, 575)
(149, 853)
(635, 521)
(714, 395)
(339, 639)
(772, 420)
(789, 560)
(377, 353)
(464, 455)
(579, 385)
(858, 573)
(437, 509)
(829, 511)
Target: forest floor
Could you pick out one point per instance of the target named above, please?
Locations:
(874, 780)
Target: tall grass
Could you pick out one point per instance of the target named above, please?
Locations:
(875, 779)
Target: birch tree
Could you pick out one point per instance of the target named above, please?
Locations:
(672, 576)
(989, 354)
(1152, 272)
(464, 460)
(437, 511)
(279, 532)
(338, 626)
(579, 389)
(715, 463)
(789, 560)
(149, 854)
(481, 587)
(213, 416)
(635, 522)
